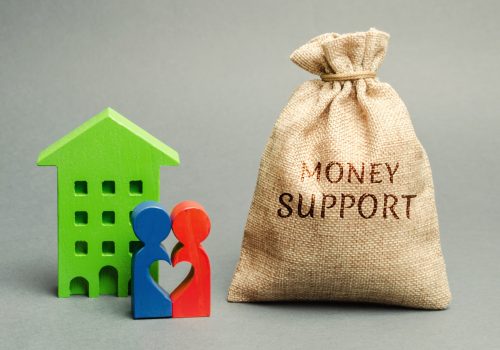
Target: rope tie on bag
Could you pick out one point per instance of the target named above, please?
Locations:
(348, 76)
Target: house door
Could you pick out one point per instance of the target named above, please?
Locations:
(108, 281)
(79, 286)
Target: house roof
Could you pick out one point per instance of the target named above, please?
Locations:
(168, 155)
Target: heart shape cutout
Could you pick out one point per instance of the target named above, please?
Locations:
(170, 278)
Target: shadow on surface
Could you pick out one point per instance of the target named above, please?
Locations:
(347, 307)
(38, 278)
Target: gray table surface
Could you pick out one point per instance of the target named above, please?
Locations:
(210, 79)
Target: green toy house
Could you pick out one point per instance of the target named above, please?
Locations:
(105, 168)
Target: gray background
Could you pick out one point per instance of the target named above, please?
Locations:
(209, 78)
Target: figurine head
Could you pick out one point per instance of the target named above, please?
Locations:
(151, 223)
(190, 223)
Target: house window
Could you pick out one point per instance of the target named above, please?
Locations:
(108, 217)
(108, 187)
(81, 218)
(81, 248)
(134, 246)
(135, 187)
(108, 248)
(81, 188)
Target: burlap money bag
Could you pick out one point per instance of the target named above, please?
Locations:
(344, 204)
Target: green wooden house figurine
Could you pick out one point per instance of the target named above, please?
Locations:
(105, 167)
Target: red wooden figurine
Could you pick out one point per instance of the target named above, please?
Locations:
(191, 225)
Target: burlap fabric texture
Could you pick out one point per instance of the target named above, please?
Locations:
(344, 207)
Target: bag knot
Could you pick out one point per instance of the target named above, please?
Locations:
(348, 76)
(337, 57)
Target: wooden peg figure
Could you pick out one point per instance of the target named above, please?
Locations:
(191, 225)
(151, 225)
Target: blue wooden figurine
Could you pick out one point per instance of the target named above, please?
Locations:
(151, 224)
